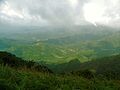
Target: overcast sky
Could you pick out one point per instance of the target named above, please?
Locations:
(60, 12)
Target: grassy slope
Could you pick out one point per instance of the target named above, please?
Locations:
(105, 66)
(30, 80)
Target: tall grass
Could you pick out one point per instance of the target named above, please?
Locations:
(13, 79)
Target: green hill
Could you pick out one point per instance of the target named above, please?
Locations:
(107, 66)
(14, 76)
(15, 62)
(84, 43)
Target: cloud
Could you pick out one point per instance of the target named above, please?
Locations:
(55, 12)
(106, 12)
(60, 12)
(12, 12)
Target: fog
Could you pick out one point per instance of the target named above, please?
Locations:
(59, 12)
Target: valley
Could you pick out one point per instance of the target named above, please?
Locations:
(64, 45)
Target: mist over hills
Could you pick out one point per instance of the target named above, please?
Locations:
(51, 31)
(75, 57)
(61, 44)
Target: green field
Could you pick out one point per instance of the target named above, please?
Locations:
(63, 46)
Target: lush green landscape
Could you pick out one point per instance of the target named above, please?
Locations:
(83, 58)
(59, 44)
(17, 74)
(64, 44)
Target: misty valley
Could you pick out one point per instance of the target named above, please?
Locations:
(69, 57)
(59, 44)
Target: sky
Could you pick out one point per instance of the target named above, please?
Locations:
(60, 12)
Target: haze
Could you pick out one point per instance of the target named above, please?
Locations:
(60, 12)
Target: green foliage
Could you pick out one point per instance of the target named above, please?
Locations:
(18, 77)
(13, 61)
(84, 45)
(11, 79)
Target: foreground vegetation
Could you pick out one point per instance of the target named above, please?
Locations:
(24, 75)
(11, 79)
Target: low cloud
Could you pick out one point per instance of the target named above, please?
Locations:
(60, 12)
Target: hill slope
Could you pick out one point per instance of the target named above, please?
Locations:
(12, 77)
(104, 66)
(84, 43)
(15, 62)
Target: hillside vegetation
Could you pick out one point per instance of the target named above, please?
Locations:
(16, 75)
(84, 45)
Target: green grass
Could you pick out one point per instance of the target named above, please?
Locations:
(62, 50)
(24, 79)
